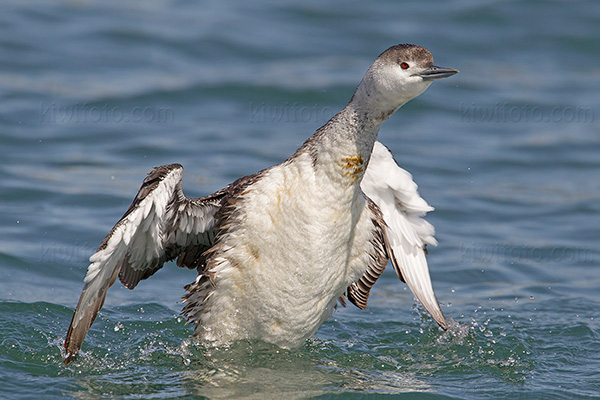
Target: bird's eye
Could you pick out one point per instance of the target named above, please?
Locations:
(404, 65)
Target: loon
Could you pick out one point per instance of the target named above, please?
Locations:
(276, 251)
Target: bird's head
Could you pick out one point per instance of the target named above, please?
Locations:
(398, 75)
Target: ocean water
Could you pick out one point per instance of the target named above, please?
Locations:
(94, 94)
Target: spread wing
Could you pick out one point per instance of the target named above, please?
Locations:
(405, 233)
(160, 225)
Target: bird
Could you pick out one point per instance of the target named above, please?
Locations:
(276, 251)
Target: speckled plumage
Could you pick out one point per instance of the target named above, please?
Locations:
(276, 250)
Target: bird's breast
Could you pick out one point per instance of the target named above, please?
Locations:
(297, 243)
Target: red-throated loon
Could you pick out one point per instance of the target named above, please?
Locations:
(276, 250)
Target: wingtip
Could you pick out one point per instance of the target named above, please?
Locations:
(70, 350)
(69, 358)
(443, 324)
(436, 312)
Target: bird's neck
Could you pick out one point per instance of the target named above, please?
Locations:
(343, 146)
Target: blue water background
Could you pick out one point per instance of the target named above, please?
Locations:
(94, 94)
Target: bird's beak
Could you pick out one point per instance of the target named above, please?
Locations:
(434, 72)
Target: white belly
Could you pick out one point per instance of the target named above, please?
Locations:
(298, 243)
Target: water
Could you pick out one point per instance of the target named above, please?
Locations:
(93, 95)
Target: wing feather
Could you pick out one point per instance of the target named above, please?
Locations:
(160, 225)
(405, 232)
(358, 292)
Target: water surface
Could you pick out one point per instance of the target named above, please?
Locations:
(93, 95)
